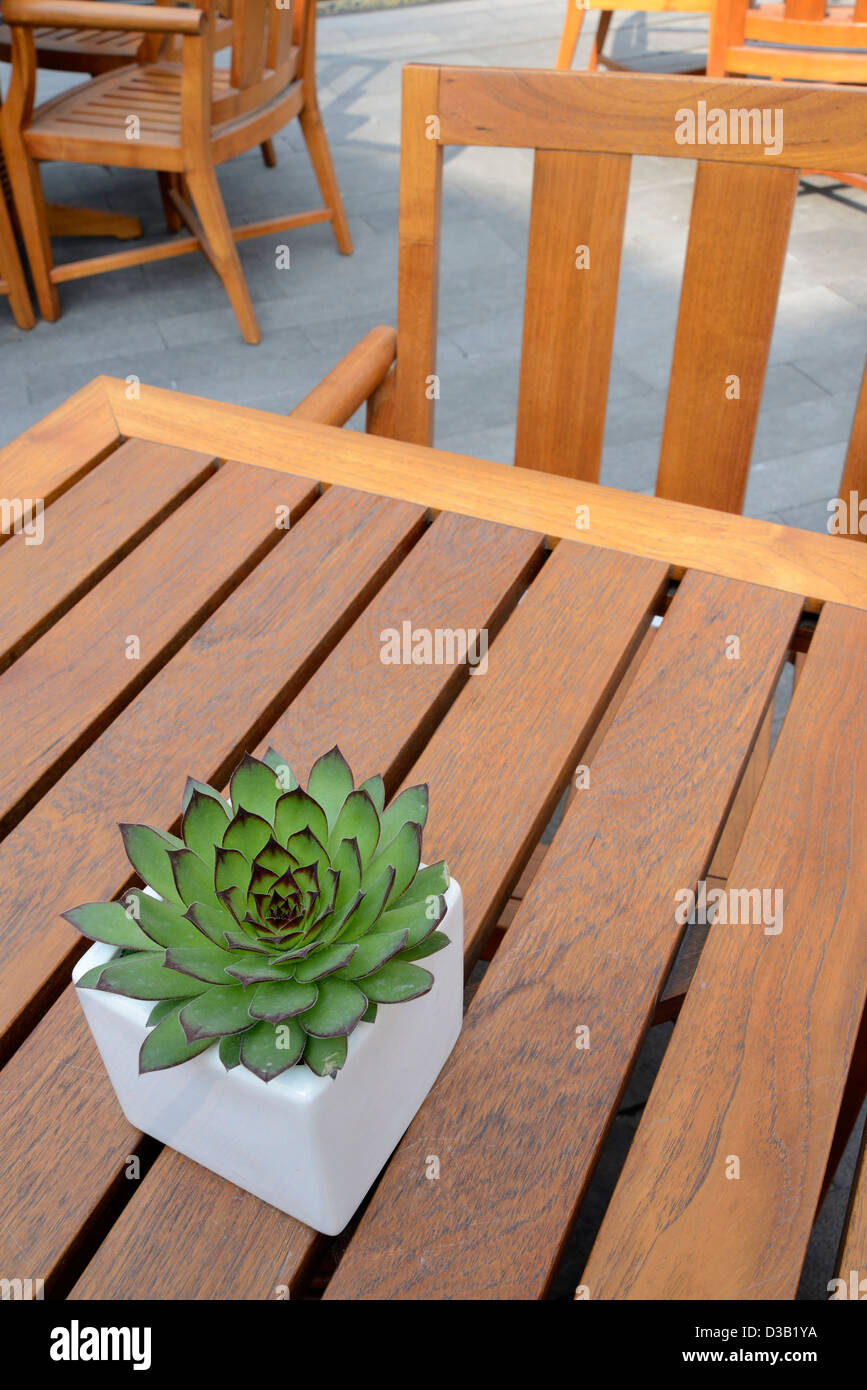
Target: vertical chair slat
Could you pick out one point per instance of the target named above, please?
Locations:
(855, 469)
(418, 273)
(734, 262)
(573, 265)
(280, 26)
(248, 42)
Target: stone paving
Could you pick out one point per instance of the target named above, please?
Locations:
(170, 324)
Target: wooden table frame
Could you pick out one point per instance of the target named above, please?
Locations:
(384, 528)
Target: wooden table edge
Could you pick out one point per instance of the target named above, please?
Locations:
(820, 568)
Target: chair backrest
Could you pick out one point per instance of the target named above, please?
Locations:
(267, 38)
(750, 140)
(802, 39)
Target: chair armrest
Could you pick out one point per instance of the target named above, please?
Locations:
(94, 14)
(348, 385)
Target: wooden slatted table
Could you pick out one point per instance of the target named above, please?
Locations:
(160, 525)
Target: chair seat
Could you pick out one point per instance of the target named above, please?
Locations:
(78, 50)
(99, 111)
(90, 123)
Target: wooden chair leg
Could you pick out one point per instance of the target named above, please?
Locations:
(599, 39)
(33, 220)
(269, 154)
(10, 269)
(569, 37)
(208, 200)
(320, 157)
(168, 183)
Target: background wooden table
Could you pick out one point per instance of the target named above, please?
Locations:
(251, 634)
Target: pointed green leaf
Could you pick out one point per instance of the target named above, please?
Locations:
(347, 863)
(273, 858)
(330, 783)
(397, 981)
(358, 820)
(369, 910)
(271, 1048)
(203, 824)
(213, 923)
(162, 1008)
(167, 1046)
(247, 833)
(202, 962)
(296, 811)
(430, 882)
(111, 923)
(276, 1001)
(193, 877)
(325, 962)
(404, 856)
(328, 931)
(145, 977)
(435, 942)
(371, 954)
(410, 805)
(420, 918)
(369, 1015)
(165, 924)
(257, 969)
(204, 790)
(337, 1010)
(230, 1050)
(254, 787)
(325, 1056)
(147, 850)
(91, 978)
(306, 848)
(280, 766)
(223, 1009)
(375, 788)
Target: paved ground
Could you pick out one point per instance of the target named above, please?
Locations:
(170, 325)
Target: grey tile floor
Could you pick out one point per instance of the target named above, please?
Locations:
(170, 324)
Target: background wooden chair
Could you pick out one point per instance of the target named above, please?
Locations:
(191, 117)
(576, 10)
(12, 282)
(583, 128)
(802, 39)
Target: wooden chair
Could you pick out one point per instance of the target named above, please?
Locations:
(12, 282)
(192, 117)
(802, 39)
(583, 128)
(576, 10)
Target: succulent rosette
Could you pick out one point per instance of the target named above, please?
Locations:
(280, 919)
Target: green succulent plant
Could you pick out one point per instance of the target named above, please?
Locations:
(284, 917)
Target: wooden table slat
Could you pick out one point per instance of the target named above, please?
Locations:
(521, 1108)
(758, 1061)
(69, 685)
(547, 645)
(86, 532)
(59, 449)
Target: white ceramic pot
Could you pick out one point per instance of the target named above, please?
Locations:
(309, 1145)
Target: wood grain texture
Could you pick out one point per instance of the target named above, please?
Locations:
(222, 690)
(820, 567)
(461, 573)
(56, 451)
(573, 266)
(519, 1111)
(738, 233)
(757, 1064)
(634, 113)
(65, 1145)
(68, 686)
(418, 260)
(87, 532)
(855, 468)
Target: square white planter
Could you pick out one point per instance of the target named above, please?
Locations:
(309, 1145)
